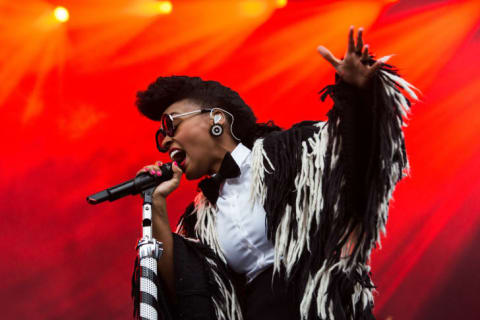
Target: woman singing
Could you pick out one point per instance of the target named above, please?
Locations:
(285, 221)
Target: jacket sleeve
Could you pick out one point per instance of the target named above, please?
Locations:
(365, 158)
(328, 190)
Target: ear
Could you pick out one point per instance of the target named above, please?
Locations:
(218, 117)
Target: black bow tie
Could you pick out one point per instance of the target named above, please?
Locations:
(211, 186)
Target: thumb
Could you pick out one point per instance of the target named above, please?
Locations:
(177, 172)
(327, 55)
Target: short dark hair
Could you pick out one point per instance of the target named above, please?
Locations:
(167, 90)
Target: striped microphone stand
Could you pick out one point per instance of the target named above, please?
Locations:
(149, 251)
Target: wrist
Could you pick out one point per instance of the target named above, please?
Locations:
(159, 199)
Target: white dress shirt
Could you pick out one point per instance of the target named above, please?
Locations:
(241, 225)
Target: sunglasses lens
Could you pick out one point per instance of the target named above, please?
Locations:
(159, 138)
(167, 125)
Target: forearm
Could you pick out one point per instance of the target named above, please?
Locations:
(359, 145)
(163, 233)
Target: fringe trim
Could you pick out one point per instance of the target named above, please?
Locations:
(224, 299)
(303, 219)
(393, 84)
(290, 244)
(227, 306)
(308, 213)
(205, 227)
(258, 191)
(319, 285)
(182, 225)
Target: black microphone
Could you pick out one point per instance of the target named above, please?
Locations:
(138, 184)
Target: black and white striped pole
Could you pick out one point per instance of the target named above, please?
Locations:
(148, 304)
(149, 250)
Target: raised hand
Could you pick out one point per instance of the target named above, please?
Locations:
(353, 67)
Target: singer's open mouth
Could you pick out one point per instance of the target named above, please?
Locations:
(179, 156)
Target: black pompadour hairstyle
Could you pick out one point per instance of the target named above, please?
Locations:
(167, 90)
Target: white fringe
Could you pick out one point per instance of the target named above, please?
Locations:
(384, 59)
(205, 227)
(258, 192)
(288, 249)
(392, 91)
(318, 285)
(335, 151)
(395, 172)
(180, 227)
(231, 310)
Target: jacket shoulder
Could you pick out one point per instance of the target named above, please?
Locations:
(291, 139)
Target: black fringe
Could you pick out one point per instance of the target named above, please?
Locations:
(187, 222)
(366, 116)
(340, 290)
(220, 268)
(284, 149)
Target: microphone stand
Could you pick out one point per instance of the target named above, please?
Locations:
(148, 250)
(147, 303)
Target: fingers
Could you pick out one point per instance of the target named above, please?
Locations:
(359, 47)
(144, 170)
(365, 55)
(153, 169)
(351, 42)
(327, 55)
(177, 171)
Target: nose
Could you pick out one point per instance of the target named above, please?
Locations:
(167, 142)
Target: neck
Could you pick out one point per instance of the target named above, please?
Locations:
(223, 147)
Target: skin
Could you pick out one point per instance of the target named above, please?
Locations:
(205, 153)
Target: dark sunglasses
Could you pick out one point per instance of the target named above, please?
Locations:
(168, 128)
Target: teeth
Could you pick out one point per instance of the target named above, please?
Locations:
(173, 153)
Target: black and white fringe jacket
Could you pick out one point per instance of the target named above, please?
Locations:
(325, 187)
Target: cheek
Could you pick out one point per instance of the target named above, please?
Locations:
(197, 142)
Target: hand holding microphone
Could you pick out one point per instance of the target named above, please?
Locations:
(167, 186)
(165, 176)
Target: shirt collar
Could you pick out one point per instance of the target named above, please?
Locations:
(240, 153)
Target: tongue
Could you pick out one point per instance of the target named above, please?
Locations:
(179, 157)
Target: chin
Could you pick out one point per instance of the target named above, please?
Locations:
(192, 175)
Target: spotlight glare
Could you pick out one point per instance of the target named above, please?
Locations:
(252, 8)
(281, 3)
(61, 14)
(164, 7)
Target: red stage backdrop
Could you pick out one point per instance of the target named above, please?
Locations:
(70, 128)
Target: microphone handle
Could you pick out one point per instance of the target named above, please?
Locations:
(134, 186)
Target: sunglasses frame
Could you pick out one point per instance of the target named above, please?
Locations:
(167, 122)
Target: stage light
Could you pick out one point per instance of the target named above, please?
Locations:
(61, 14)
(281, 3)
(164, 7)
(252, 8)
